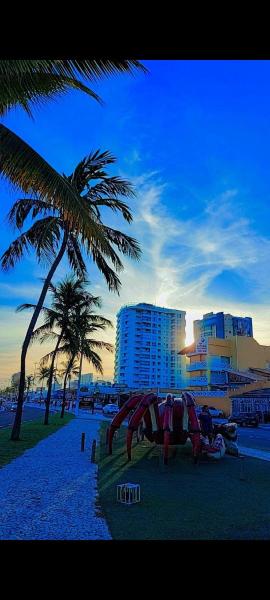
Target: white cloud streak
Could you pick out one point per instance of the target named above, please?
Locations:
(181, 257)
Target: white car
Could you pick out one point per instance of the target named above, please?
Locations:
(110, 409)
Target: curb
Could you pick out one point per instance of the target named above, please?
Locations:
(253, 453)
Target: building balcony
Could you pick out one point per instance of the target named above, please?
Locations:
(198, 381)
(208, 365)
(197, 366)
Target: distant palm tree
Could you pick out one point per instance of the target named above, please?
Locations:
(28, 382)
(74, 370)
(77, 344)
(27, 83)
(42, 374)
(67, 297)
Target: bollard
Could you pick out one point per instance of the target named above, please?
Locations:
(93, 451)
(82, 442)
(242, 473)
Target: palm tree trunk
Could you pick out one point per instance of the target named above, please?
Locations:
(79, 385)
(15, 434)
(64, 396)
(65, 385)
(48, 399)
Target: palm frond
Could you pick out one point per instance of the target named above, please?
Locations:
(35, 89)
(114, 186)
(112, 280)
(93, 358)
(43, 236)
(92, 343)
(27, 170)
(22, 208)
(89, 168)
(75, 257)
(113, 203)
(126, 244)
(30, 82)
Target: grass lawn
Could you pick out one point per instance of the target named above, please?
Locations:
(31, 434)
(183, 501)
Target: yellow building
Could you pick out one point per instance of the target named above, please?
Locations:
(218, 367)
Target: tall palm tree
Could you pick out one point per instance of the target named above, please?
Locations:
(51, 237)
(28, 83)
(76, 342)
(68, 296)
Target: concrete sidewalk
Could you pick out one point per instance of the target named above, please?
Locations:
(50, 492)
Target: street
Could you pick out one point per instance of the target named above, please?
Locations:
(250, 437)
(29, 414)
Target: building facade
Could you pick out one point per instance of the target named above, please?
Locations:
(220, 363)
(222, 325)
(148, 340)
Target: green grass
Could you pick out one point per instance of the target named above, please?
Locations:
(31, 433)
(183, 500)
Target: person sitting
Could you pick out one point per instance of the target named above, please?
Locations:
(206, 423)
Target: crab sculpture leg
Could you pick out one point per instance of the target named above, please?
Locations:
(147, 410)
(194, 426)
(121, 416)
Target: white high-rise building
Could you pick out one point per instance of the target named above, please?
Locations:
(148, 339)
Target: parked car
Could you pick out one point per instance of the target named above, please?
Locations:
(99, 406)
(13, 407)
(214, 412)
(245, 419)
(110, 409)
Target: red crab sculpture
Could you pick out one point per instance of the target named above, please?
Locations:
(169, 423)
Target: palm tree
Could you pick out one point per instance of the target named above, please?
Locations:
(51, 237)
(28, 382)
(77, 344)
(74, 370)
(42, 374)
(28, 83)
(68, 296)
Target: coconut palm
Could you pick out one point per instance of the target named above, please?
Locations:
(73, 370)
(68, 296)
(43, 373)
(28, 83)
(28, 382)
(51, 237)
(83, 322)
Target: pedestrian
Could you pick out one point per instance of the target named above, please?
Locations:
(206, 423)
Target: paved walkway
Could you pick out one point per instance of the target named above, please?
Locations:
(50, 492)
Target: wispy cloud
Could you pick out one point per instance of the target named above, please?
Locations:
(181, 257)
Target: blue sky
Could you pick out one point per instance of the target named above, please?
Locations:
(194, 137)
